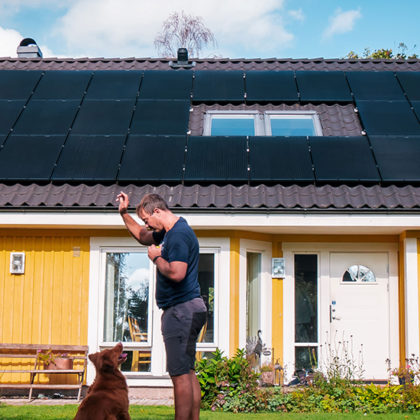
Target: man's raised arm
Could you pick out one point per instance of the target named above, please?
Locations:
(140, 233)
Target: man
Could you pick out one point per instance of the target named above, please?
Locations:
(174, 249)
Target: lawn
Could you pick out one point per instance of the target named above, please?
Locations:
(166, 413)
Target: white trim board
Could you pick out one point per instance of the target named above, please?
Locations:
(274, 223)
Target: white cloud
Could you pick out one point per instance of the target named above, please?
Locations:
(138, 279)
(124, 28)
(297, 15)
(342, 22)
(9, 41)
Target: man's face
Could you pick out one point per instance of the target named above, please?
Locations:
(152, 221)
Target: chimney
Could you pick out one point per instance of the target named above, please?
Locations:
(28, 49)
(182, 60)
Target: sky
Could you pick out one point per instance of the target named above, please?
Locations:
(242, 28)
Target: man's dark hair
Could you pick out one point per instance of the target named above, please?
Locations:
(149, 202)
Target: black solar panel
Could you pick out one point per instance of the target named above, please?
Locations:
(89, 158)
(17, 84)
(47, 117)
(104, 117)
(280, 159)
(343, 159)
(116, 84)
(416, 106)
(62, 85)
(388, 117)
(29, 157)
(153, 158)
(410, 81)
(323, 86)
(161, 117)
(378, 85)
(218, 86)
(162, 84)
(271, 86)
(398, 157)
(215, 159)
(9, 111)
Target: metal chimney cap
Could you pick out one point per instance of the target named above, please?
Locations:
(28, 48)
(182, 55)
(26, 42)
(182, 60)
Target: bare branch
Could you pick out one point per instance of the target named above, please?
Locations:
(183, 31)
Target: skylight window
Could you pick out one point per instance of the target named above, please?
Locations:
(255, 123)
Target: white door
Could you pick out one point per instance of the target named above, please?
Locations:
(359, 310)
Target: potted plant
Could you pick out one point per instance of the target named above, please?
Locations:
(405, 374)
(54, 361)
(267, 374)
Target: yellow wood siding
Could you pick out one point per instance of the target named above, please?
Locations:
(234, 296)
(277, 309)
(48, 304)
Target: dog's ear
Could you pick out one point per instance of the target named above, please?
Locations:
(93, 358)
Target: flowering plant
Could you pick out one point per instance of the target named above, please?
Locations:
(47, 357)
(409, 371)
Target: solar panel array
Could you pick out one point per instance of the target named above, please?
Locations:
(130, 126)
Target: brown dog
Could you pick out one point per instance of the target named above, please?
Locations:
(107, 397)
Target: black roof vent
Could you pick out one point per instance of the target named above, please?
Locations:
(28, 48)
(182, 60)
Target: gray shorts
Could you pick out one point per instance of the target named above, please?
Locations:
(181, 325)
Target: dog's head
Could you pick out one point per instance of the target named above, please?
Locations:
(109, 359)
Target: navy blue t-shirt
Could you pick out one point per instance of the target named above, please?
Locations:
(178, 244)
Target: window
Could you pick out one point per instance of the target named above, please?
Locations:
(268, 123)
(359, 274)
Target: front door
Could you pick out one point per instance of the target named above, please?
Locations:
(359, 311)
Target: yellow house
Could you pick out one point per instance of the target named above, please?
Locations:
(307, 212)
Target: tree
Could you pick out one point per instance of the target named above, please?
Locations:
(183, 31)
(402, 53)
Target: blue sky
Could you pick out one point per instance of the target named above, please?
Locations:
(243, 28)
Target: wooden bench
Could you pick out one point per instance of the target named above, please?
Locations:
(29, 352)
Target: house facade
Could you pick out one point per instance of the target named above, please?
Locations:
(299, 177)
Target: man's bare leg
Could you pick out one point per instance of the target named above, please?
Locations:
(196, 396)
(183, 396)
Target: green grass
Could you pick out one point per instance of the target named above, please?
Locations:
(67, 412)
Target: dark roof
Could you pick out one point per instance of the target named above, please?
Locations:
(282, 64)
(212, 197)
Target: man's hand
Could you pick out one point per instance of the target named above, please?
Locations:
(154, 251)
(123, 200)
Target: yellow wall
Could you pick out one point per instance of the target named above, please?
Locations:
(49, 303)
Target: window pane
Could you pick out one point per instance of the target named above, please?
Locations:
(206, 280)
(232, 127)
(253, 293)
(359, 273)
(306, 319)
(306, 358)
(292, 127)
(126, 297)
(137, 361)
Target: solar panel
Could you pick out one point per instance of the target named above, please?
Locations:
(47, 117)
(416, 106)
(89, 158)
(9, 111)
(17, 84)
(388, 117)
(163, 84)
(215, 159)
(29, 157)
(62, 85)
(378, 85)
(410, 81)
(280, 159)
(118, 84)
(271, 86)
(104, 117)
(161, 117)
(153, 158)
(398, 157)
(343, 159)
(323, 86)
(218, 86)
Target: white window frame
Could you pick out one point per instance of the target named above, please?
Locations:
(262, 120)
(158, 375)
(292, 115)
